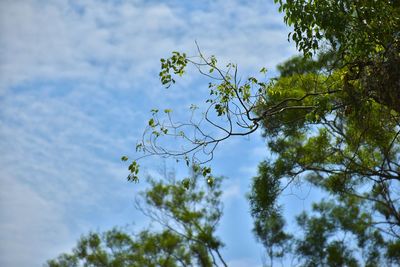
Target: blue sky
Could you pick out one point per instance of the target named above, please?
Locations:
(77, 82)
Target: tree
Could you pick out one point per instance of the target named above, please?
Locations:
(268, 220)
(366, 45)
(331, 119)
(340, 129)
(188, 213)
(351, 152)
(338, 236)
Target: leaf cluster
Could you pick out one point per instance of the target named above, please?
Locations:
(187, 217)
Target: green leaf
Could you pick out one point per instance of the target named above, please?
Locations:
(263, 70)
(210, 181)
(186, 183)
(139, 147)
(151, 123)
(206, 171)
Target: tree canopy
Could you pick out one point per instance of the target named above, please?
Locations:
(338, 129)
(186, 214)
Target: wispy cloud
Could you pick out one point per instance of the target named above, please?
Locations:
(245, 262)
(36, 225)
(76, 82)
(116, 43)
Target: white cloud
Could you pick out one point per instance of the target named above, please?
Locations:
(38, 224)
(244, 262)
(62, 162)
(121, 43)
(52, 40)
(231, 191)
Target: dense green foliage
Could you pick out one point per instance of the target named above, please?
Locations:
(187, 217)
(364, 36)
(338, 129)
(268, 221)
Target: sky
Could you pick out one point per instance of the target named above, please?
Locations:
(77, 82)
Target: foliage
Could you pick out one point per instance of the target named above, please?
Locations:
(268, 221)
(187, 216)
(339, 130)
(340, 235)
(366, 45)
